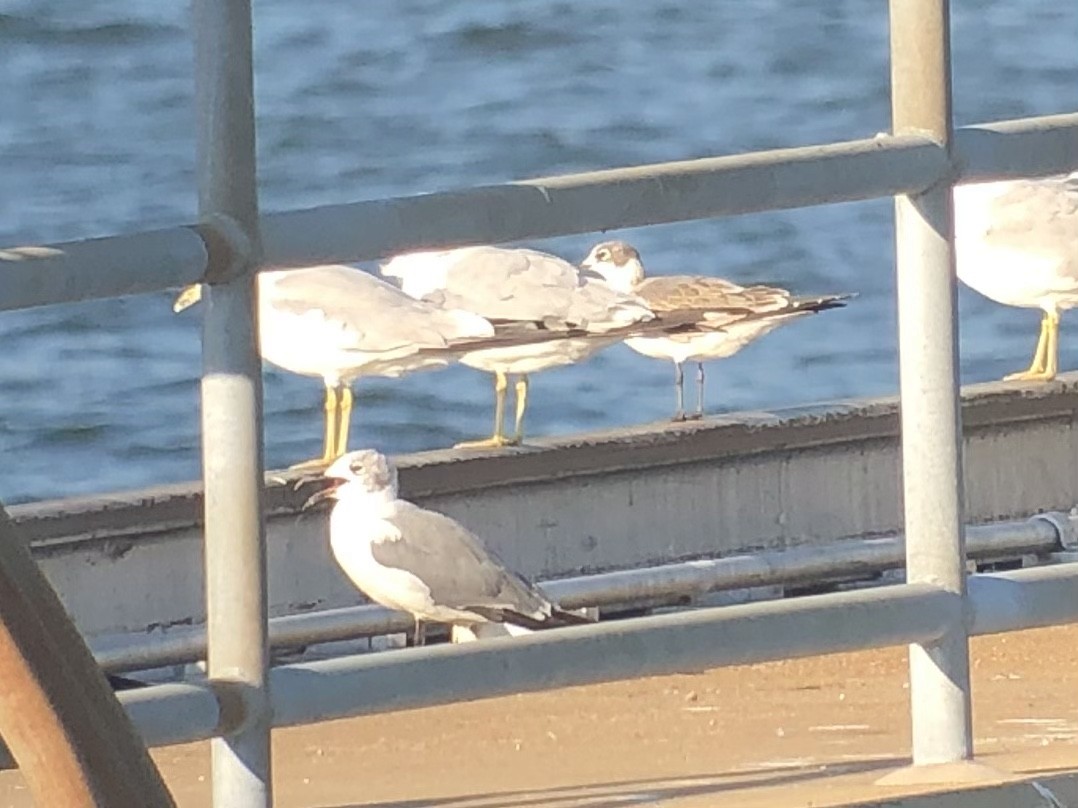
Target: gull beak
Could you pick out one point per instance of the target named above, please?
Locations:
(188, 297)
(329, 492)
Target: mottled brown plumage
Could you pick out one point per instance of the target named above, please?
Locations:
(705, 317)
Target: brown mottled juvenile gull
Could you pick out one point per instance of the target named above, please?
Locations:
(729, 316)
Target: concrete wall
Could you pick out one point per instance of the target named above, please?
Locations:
(652, 494)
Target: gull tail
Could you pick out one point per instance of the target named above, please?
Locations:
(819, 303)
(558, 618)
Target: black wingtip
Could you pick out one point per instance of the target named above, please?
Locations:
(824, 302)
(558, 618)
(565, 618)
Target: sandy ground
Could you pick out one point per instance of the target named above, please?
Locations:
(812, 732)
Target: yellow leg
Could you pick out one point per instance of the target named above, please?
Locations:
(329, 443)
(1051, 364)
(498, 439)
(344, 421)
(522, 405)
(1045, 362)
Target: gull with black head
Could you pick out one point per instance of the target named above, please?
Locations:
(722, 316)
(422, 562)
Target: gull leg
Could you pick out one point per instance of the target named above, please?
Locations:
(522, 405)
(1051, 364)
(419, 638)
(699, 394)
(679, 392)
(1046, 357)
(344, 421)
(498, 439)
(329, 444)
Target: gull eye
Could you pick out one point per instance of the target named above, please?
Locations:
(603, 254)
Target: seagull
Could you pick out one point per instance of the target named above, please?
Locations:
(422, 562)
(729, 316)
(1016, 242)
(527, 290)
(340, 323)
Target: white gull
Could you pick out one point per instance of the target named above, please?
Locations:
(1016, 242)
(422, 562)
(340, 323)
(528, 290)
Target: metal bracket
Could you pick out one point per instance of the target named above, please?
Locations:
(1065, 525)
(229, 251)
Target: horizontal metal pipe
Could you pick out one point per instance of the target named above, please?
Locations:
(1028, 147)
(173, 713)
(101, 267)
(1021, 599)
(795, 565)
(605, 200)
(645, 646)
(163, 714)
(578, 203)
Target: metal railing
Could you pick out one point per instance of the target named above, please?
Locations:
(934, 611)
(1040, 537)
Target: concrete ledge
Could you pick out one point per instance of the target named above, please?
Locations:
(653, 494)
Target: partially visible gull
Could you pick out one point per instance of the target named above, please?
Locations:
(422, 562)
(729, 316)
(340, 323)
(531, 291)
(1016, 242)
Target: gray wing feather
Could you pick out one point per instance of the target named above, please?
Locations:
(526, 285)
(1036, 213)
(380, 317)
(454, 565)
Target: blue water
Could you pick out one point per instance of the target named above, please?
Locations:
(386, 97)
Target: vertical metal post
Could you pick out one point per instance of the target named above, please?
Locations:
(928, 362)
(238, 649)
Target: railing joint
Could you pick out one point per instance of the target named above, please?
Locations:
(229, 251)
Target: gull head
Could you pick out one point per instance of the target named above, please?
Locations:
(362, 473)
(618, 263)
(363, 470)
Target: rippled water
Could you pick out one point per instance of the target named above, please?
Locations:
(404, 96)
